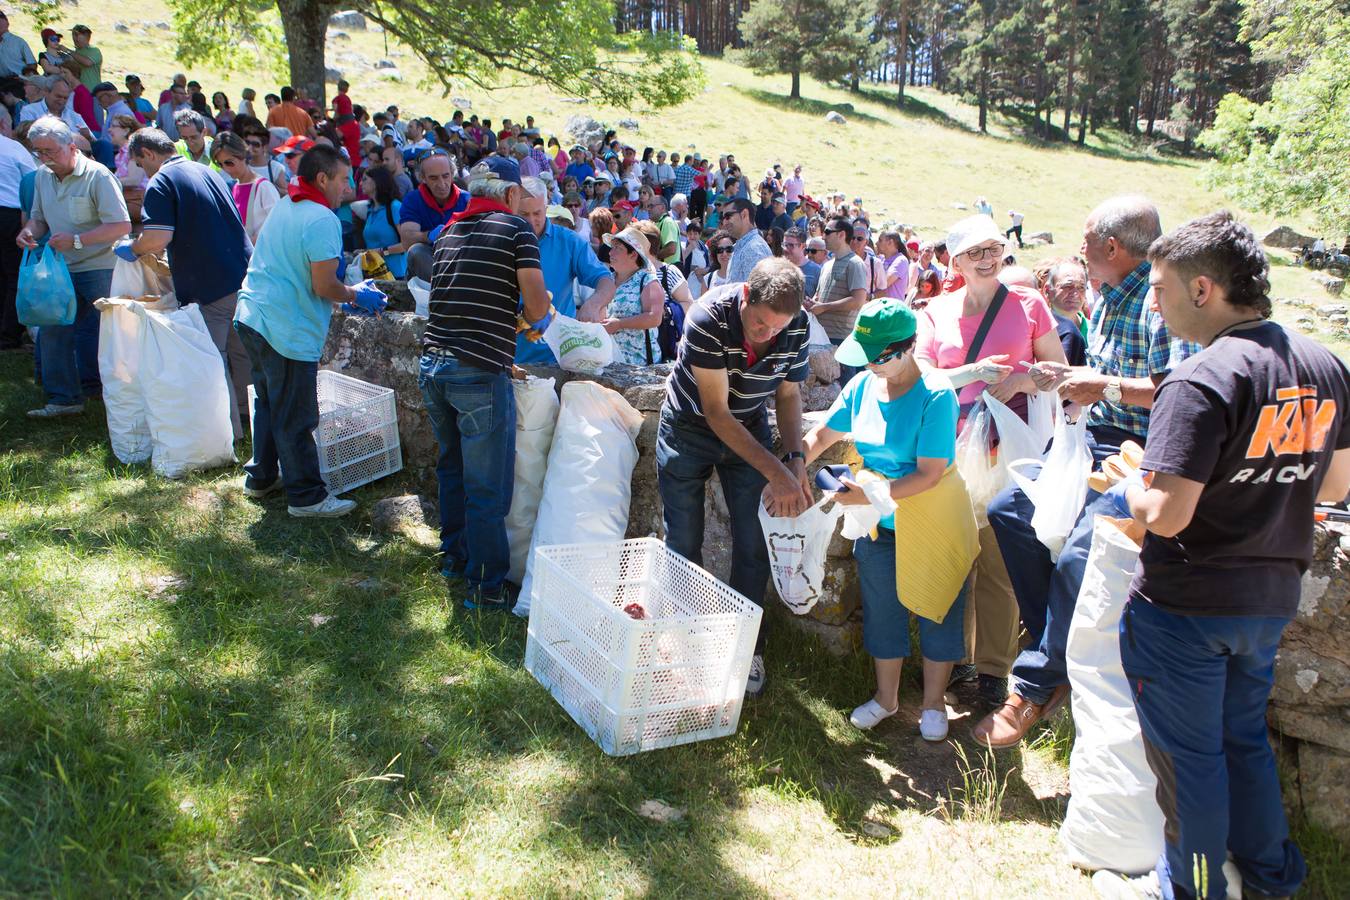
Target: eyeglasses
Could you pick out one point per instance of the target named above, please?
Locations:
(886, 357)
(978, 253)
(858, 237)
(727, 249)
(815, 250)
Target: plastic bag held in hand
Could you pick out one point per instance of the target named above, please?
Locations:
(123, 251)
(862, 521)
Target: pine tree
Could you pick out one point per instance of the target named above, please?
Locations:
(828, 39)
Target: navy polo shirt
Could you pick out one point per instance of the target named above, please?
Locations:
(416, 209)
(209, 253)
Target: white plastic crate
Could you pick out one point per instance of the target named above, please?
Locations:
(357, 437)
(673, 677)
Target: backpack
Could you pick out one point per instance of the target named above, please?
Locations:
(671, 329)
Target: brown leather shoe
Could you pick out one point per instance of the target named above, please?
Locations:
(1006, 726)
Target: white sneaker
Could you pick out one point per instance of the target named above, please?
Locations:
(933, 724)
(1234, 879)
(259, 493)
(1115, 886)
(330, 508)
(53, 410)
(754, 685)
(869, 714)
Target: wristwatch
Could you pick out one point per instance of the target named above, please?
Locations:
(1111, 393)
(794, 454)
(79, 244)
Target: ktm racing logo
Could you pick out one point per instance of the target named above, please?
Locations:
(1294, 424)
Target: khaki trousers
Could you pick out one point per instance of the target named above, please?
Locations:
(993, 622)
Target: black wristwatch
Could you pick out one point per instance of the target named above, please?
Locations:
(794, 454)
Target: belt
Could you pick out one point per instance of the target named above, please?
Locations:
(439, 352)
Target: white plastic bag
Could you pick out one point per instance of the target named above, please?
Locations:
(797, 549)
(137, 279)
(1018, 439)
(536, 416)
(588, 484)
(421, 294)
(119, 368)
(1113, 821)
(984, 474)
(816, 337)
(1059, 490)
(187, 402)
(860, 521)
(583, 347)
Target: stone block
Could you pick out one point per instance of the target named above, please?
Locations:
(1322, 776)
(837, 640)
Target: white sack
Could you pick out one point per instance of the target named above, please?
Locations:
(421, 294)
(797, 547)
(119, 356)
(583, 347)
(588, 484)
(1113, 821)
(1059, 490)
(816, 336)
(536, 416)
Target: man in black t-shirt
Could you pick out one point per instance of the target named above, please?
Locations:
(486, 258)
(743, 342)
(1244, 439)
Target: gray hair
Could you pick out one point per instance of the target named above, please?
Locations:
(535, 187)
(1058, 269)
(1131, 219)
(189, 117)
(51, 127)
(483, 182)
(777, 283)
(150, 140)
(521, 149)
(678, 199)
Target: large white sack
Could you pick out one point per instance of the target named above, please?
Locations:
(536, 416)
(1113, 821)
(187, 402)
(588, 485)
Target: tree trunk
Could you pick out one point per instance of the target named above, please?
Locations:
(1068, 73)
(984, 93)
(305, 23)
(902, 53)
(796, 84)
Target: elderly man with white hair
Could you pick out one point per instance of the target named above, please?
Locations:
(486, 277)
(567, 260)
(79, 203)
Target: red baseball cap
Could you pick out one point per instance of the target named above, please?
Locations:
(625, 204)
(49, 33)
(296, 143)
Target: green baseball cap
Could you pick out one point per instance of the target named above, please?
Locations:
(880, 323)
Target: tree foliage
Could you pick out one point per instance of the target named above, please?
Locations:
(827, 39)
(1292, 153)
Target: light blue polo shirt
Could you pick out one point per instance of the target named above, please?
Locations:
(277, 299)
(563, 255)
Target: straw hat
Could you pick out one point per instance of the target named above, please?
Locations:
(634, 240)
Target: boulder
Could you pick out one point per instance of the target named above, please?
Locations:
(339, 36)
(348, 19)
(630, 124)
(395, 515)
(386, 64)
(1285, 238)
(1330, 283)
(960, 206)
(1332, 309)
(460, 103)
(331, 74)
(584, 130)
(824, 367)
(122, 28)
(836, 118)
(1338, 321)
(1043, 236)
(162, 26)
(391, 75)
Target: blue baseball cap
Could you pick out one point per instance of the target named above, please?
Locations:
(503, 168)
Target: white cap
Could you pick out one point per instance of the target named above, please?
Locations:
(971, 232)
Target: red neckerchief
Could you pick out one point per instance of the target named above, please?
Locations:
(431, 201)
(304, 189)
(479, 205)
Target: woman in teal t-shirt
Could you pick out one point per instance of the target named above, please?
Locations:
(903, 424)
(381, 228)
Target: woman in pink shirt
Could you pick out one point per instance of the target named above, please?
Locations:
(1021, 332)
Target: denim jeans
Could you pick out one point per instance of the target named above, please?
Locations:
(687, 453)
(285, 414)
(69, 353)
(1047, 591)
(473, 412)
(1201, 684)
(846, 373)
(886, 621)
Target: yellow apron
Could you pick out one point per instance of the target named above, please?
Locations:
(936, 542)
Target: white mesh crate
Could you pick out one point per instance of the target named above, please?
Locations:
(357, 437)
(673, 677)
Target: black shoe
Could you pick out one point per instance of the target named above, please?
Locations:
(962, 672)
(500, 600)
(993, 690)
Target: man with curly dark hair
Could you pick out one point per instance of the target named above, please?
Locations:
(1244, 439)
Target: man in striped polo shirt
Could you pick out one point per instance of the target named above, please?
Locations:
(743, 343)
(486, 258)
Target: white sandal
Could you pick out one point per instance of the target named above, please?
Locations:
(869, 714)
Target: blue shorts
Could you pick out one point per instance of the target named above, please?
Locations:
(886, 622)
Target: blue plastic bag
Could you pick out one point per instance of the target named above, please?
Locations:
(46, 294)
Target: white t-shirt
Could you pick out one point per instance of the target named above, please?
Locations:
(665, 173)
(15, 162)
(1016, 218)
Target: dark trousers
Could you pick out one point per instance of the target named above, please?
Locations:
(1016, 230)
(285, 414)
(1201, 684)
(1047, 591)
(698, 202)
(687, 454)
(846, 373)
(67, 355)
(473, 412)
(11, 332)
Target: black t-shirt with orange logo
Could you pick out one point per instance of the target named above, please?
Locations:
(1255, 417)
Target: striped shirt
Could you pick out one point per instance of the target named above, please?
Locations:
(474, 291)
(713, 339)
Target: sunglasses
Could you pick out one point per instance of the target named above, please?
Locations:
(727, 249)
(886, 357)
(858, 237)
(815, 250)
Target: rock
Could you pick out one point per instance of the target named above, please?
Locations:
(630, 124)
(391, 75)
(348, 19)
(319, 619)
(574, 99)
(386, 64)
(339, 36)
(659, 811)
(1332, 309)
(874, 829)
(395, 515)
(1033, 242)
(836, 118)
(1338, 320)
(331, 74)
(1330, 283)
(1322, 776)
(819, 396)
(837, 640)
(960, 206)
(1045, 236)
(460, 103)
(584, 130)
(1286, 238)
(122, 28)
(162, 26)
(353, 59)
(1305, 322)
(824, 367)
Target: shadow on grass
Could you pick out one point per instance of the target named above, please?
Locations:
(917, 108)
(807, 105)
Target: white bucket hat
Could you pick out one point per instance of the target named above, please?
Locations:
(973, 231)
(634, 240)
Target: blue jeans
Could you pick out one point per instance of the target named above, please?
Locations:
(1047, 591)
(285, 414)
(846, 373)
(687, 453)
(886, 621)
(1201, 684)
(69, 353)
(473, 412)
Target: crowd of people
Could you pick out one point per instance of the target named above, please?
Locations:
(1163, 339)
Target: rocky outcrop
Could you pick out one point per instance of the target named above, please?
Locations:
(348, 19)
(1285, 238)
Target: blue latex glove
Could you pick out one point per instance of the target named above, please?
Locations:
(370, 299)
(1116, 494)
(434, 233)
(342, 266)
(542, 325)
(124, 251)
